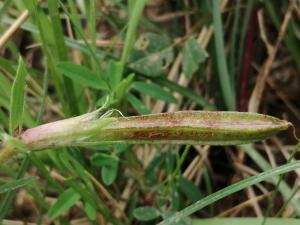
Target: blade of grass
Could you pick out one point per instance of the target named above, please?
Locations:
(274, 194)
(47, 39)
(65, 201)
(15, 184)
(135, 17)
(89, 47)
(62, 53)
(264, 165)
(44, 172)
(9, 197)
(91, 18)
(233, 43)
(230, 190)
(82, 75)
(17, 98)
(154, 90)
(140, 107)
(88, 197)
(227, 86)
(186, 93)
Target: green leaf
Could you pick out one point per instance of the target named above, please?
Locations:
(109, 164)
(82, 75)
(193, 54)
(109, 173)
(189, 189)
(17, 98)
(135, 17)
(284, 188)
(189, 94)
(152, 55)
(137, 104)
(246, 221)
(102, 159)
(227, 87)
(7, 66)
(15, 184)
(154, 91)
(230, 190)
(151, 170)
(145, 213)
(123, 87)
(90, 211)
(115, 70)
(5, 86)
(65, 201)
(84, 192)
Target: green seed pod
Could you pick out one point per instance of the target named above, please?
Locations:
(184, 127)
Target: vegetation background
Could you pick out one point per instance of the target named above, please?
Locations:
(71, 57)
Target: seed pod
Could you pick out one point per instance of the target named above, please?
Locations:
(184, 127)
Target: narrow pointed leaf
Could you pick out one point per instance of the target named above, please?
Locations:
(82, 75)
(65, 201)
(137, 104)
(230, 190)
(17, 98)
(154, 91)
(146, 213)
(15, 184)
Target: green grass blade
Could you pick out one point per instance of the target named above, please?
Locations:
(65, 201)
(5, 86)
(80, 34)
(53, 7)
(15, 184)
(134, 20)
(17, 98)
(233, 43)
(9, 197)
(88, 197)
(34, 160)
(115, 70)
(82, 75)
(140, 107)
(284, 188)
(230, 190)
(186, 93)
(226, 86)
(154, 90)
(62, 52)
